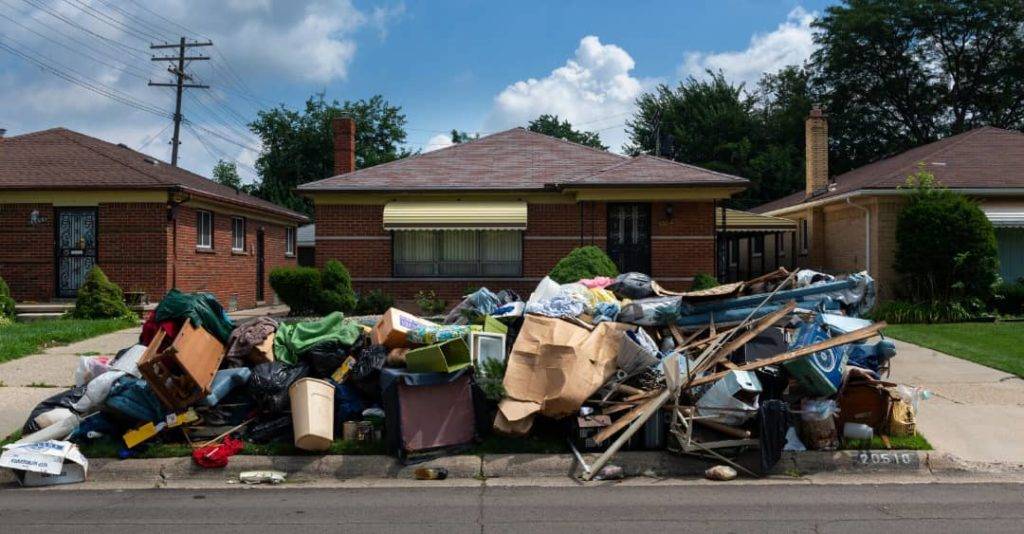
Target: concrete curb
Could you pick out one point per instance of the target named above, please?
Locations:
(657, 464)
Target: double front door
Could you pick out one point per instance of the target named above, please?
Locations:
(75, 248)
(629, 236)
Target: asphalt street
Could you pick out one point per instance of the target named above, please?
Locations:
(903, 508)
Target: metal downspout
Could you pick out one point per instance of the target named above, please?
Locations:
(867, 233)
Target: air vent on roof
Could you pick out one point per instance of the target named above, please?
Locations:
(151, 161)
(122, 145)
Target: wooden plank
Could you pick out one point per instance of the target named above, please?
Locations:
(760, 326)
(851, 337)
(619, 424)
(650, 408)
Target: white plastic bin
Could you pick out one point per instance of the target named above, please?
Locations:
(312, 413)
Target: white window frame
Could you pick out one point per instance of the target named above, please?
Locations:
(238, 234)
(204, 230)
(289, 242)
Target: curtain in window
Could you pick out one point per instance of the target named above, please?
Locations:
(452, 253)
(414, 253)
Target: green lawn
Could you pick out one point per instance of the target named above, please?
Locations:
(996, 345)
(22, 339)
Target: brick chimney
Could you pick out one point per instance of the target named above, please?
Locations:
(816, 162)
(343, 133)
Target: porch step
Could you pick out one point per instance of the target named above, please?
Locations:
(43, 307)
(29, 317)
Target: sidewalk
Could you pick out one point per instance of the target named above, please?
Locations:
(976, 412)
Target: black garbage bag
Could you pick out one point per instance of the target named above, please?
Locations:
(270, 430)
(325, 357)
(632, 286)
(269, 385)
(365, 375)
(64, 399)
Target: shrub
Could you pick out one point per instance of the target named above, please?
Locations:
(583, 262)
(945, 246)
(1009, 298)
(99, 298)
(337, 293)
(703, 281)
(944, 311)
(428, 302)
(375, 302)
(6, 302)
(298, 287)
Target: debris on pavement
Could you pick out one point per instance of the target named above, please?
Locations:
(733, 374)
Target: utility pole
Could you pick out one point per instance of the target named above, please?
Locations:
(180, 84)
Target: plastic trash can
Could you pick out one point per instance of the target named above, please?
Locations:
(312, 413)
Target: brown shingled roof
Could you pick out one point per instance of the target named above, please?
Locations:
(517, 160)
(983, 158)
(59, 158)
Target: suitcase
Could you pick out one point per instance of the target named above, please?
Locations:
(181, 375)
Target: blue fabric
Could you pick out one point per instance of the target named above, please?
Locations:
(606, 311)
(132, 397)
(347, 404)
(871, 356)
(560, 306)
(224, 382)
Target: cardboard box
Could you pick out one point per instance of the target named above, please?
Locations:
(46, 463)
(393, 327)
(181, 375)
(444, 357)
(264, 352)
(554, 366)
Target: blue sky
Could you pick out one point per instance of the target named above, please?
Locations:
(473, 65)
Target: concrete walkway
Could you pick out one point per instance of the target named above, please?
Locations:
(976, 413)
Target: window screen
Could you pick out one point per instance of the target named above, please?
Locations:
(238, 234)
(454, 253)
(204, 229)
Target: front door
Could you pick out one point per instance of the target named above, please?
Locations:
(629, 236)
(259, 266)
(76, 248)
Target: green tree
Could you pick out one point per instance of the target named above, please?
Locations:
(897, 74)
(550, 125)
(459, 137)
(945, 246)
(226, 173)
(297, 144)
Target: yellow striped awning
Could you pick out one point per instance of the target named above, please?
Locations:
(454, 215)
(744, 221)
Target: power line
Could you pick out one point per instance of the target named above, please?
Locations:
(108, 20)
(77, 78)
(111, 42)
(150, 138)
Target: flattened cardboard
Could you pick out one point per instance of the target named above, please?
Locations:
(46, 463)
(554, 366)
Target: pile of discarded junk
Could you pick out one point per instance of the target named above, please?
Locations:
(781, 362)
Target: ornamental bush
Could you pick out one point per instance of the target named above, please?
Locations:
(99, 298)
(703, 281)
(945, 246)
(6, 302)
(583, 262)
(337, 293)
(298, 287)
(374, 303)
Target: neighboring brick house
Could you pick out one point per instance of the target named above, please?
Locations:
(69, 201)
(501, 210)
(848, 223)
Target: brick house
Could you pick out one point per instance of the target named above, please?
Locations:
(69, 201)
(501, 210)
(848, 222)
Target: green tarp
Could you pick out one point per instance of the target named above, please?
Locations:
(202, 308)
(294, 339)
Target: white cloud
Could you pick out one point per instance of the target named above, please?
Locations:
(277, 41)
(594, 90)
(789, 44)
(438, 142)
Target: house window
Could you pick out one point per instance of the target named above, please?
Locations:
(803, 236)
(289, 241)
(758, 245)
(238, 234)
(204, 229)
(780, 245)
(734, 251)
(453, 253)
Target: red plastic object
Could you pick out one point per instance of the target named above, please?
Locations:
(216, 456)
